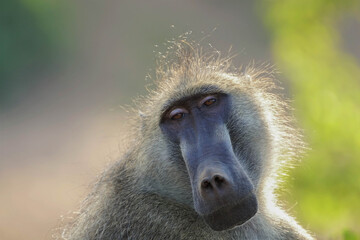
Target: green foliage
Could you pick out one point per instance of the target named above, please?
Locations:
(326, 87)
(29, 40)
(349, 235)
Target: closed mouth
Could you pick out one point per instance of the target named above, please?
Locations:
(233, 215)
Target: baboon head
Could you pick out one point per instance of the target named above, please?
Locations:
(215, 140)
(207, 146)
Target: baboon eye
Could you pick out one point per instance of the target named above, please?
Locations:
(177, 116)
(209, 100)
(177, 113)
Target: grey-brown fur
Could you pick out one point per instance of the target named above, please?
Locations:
(146, 194)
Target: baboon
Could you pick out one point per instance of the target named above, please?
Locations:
(203, 160)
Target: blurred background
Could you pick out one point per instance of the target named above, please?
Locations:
(67, 67)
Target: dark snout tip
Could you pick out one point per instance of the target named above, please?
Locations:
(231, 216)
(216, 181)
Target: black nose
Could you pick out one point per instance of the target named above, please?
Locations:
(214, 183)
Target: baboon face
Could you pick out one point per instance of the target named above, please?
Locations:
(223, 193)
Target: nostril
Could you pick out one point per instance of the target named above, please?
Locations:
(218, 179)
(215, 182)
(205, 184)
